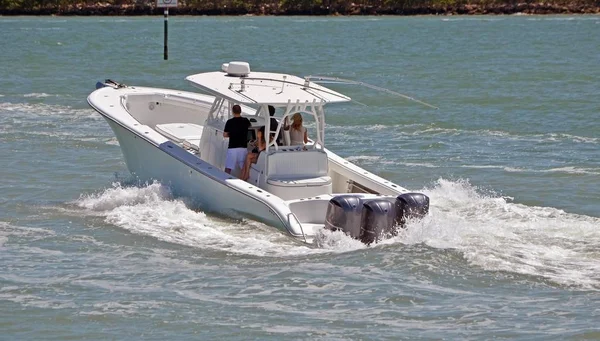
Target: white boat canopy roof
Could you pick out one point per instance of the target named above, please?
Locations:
(237, 84)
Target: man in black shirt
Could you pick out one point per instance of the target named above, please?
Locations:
(236, 128)
(274, 125)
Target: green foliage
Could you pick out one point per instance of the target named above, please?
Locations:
(300, 3)
(250, 5)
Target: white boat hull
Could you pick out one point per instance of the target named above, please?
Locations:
(147, 162)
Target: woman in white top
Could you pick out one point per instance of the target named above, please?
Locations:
(298, 134)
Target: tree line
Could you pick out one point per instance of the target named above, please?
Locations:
(291, 7)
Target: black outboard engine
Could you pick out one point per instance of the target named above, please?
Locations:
(409, 206)
(371, 220)
(378, 216)
(344, 213)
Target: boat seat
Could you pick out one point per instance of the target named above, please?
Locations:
(296, 182)
(188, 134)
(298, 168)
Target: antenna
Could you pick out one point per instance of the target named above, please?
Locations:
(322, 79)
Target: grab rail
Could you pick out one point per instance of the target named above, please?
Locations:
(297, 222)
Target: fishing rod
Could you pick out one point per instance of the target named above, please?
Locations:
(334, 80)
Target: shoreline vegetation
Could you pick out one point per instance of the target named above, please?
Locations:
(298, 7)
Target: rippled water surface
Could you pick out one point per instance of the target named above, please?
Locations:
(510, 161)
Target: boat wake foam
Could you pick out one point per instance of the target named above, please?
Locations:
(489, 231)
(496, 234)
(152, 211)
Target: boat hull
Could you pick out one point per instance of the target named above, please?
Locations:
(149, 162)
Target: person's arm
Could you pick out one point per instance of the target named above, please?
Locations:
(226, 129)
(305, 136)
(286, 126)
(261, 141)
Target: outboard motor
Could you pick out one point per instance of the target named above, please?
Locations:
(378, 218)
(344, 213)
(371, 220)
(411, 205)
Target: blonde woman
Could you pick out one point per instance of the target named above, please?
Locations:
(298, 134)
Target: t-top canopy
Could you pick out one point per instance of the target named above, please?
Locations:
(262, 87)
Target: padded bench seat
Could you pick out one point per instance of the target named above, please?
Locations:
(179, 132)
(305, 182)
(294, 173)
(189, 134)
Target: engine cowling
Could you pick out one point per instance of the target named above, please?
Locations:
(374, 219)
(344, 214)
(378, 216)
(411, 206)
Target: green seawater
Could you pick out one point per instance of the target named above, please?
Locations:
(510, 162)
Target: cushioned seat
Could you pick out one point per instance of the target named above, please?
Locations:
(302, 182)
(179, 132)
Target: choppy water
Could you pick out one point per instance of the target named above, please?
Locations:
(510, 162)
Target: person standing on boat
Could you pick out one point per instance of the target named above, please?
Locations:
(236, 128)
(274, 124)
(298, 134)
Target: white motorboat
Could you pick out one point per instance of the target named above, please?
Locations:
(176, 137)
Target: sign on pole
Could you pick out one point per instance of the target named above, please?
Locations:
(166, 3)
